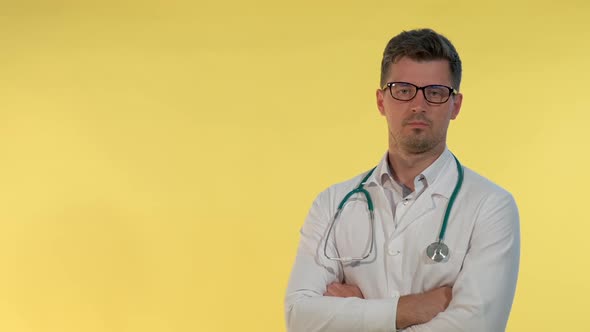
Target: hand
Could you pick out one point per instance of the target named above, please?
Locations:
(343, 290)
(421, 308)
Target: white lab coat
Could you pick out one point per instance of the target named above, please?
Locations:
(483, 239)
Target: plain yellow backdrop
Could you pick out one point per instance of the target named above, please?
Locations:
(157, 158)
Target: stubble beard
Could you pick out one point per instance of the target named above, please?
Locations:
(418, 141)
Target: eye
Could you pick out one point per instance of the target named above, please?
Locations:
(436, 93)
(401, 89)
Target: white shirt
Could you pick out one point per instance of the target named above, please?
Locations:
(482, 235)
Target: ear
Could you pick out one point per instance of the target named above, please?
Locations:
(380, 96)
(457, 101)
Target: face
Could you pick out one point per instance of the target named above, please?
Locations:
(417, 126)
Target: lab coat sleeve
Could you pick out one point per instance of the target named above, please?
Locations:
(306, 309)
(484, 290)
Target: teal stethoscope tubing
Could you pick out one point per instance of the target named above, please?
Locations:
(443, 227)
(437, 251)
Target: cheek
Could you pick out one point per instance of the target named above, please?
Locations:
(393, 121)
(446, 115)
(395, 112)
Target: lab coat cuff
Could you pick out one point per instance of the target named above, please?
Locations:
(380, 315)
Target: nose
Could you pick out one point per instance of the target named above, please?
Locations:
(419, 103)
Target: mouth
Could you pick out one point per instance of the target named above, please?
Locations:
(417, 124)
(417, 121)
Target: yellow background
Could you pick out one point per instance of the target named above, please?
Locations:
(157, 158)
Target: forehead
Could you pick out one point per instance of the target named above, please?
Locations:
(420, 72)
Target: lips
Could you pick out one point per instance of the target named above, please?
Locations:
(417, 122)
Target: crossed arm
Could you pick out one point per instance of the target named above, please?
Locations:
(411, 309)
(480, 299)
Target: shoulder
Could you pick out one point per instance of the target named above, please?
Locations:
(326, 202)
(478, 185)
(332, 195)
(489, 200)
(349, 184)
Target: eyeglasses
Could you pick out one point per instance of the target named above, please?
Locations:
(436, 94)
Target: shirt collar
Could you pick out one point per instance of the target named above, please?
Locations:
(431, 175)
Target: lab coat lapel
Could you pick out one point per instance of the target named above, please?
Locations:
(434, 198)
(383, 213)
(422, 207)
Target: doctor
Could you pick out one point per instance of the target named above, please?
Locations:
(409, 268)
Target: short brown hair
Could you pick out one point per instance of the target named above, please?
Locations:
(422, 45)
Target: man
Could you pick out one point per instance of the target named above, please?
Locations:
(412, 268)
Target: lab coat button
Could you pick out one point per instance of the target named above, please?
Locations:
(394, 252)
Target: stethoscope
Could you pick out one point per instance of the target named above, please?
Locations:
(437, 251)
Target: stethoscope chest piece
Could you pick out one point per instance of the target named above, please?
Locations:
(438, 252)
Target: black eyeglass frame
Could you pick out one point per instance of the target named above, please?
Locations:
(452, 91)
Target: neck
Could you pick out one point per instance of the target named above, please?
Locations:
(406, 166)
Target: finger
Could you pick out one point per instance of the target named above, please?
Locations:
(333, 287)
(336, 286)
(335, 290)
(329, 290)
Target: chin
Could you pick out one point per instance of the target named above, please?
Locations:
(418, 146)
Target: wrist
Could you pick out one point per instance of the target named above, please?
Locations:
(403, 317)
